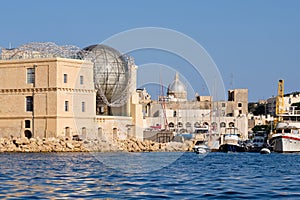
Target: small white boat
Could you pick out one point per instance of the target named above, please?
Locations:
(265, 151)
(201, 148)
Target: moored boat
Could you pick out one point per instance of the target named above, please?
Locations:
(201, 147)
(232, 142)
(286, 138)
(265, 151)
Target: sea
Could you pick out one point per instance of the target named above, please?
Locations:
(159, 175)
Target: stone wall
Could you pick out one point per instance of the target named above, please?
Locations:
(15, 144)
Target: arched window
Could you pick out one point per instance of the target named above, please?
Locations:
(180, 124)
(222, 125)
(231, 124)
(67, 132)
(214, 125)
(171, 125)
(115, 131)
(28, 134)
(188, 125)
(83, 131)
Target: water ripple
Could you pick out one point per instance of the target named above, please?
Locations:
(83, 176)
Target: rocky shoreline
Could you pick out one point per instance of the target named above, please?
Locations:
(92, 145)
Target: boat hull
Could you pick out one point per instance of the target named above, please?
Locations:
(231, 148)
(286, 143)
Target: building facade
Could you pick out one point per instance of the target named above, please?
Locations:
(46, 97)
(50, 91)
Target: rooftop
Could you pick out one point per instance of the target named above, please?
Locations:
(40, 50)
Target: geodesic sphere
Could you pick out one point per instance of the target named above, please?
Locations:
(110, 70)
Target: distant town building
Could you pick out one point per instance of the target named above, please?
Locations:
(177, 113)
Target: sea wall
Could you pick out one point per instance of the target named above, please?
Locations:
(99, 145)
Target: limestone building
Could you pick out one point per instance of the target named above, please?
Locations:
(46, 97)
(52, 91)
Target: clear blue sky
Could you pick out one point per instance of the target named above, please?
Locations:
(253, 42)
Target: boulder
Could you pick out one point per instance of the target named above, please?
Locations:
(69, 145)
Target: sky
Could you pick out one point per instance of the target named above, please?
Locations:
(254, 43)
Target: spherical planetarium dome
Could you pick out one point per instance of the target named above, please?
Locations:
(111, 73)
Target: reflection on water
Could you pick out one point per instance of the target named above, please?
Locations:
(137, 162)
(136, 176)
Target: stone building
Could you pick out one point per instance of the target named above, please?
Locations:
(46, 97)
(50, 91)
(237, 103)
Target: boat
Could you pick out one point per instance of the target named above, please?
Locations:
(231, 141)
(259, 142)
(201, 136)
(265, 151)
(286, 138)
(201, 147)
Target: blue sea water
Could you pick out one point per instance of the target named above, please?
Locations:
(149, 176)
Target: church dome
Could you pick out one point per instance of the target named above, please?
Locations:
(177, 88)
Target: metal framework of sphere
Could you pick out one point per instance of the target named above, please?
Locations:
(112, 74)
(40, 50)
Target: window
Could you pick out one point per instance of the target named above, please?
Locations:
(214, 125)
(29, 104)
(65, 78)
(188, 125)
(81, 80)
(83, 106)
(27, 123)
(239, 105)
(174, 114)
(171, 125)
(222, 124)
(67, 132)
(83, 131)
(30, 75)
(66, 106)
(28, 134)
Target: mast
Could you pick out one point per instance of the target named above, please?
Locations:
(163, 104)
